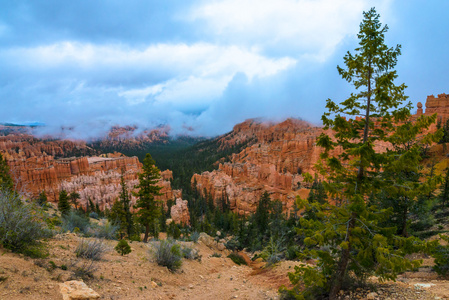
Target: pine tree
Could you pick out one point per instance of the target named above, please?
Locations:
(74, 197)
(147, 206)
(356, 243)
(42, 199)
(63, 203)
(262, 214)
(6, 182)
(444, 195)
(120, 212)
(123, 247)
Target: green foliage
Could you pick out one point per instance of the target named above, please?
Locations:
(237, 258)
(22, 226)
(73, 219)
(190, 253)
(445, 129)
(441, 255)
(123, 247)
(173, 231)
(194, 236)
(42, 199)
(262, 214)
(74, 196)
(350, 238)
(273, 251)
(147, 206)
(63, 203)
(6, 182)
(317, 192)
(120, 212)
(104, 231)
(167, 253)
(444, 195)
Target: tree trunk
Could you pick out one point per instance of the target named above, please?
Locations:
(404, 222)
(147, 230)
(367, 113)
(342, 264)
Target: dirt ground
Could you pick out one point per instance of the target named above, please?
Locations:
(134, 276)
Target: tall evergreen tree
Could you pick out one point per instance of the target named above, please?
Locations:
(42, 199)
(147, 206)
(351, 231)
(63, 203)
(74, 197)
(6, 182)
(262, 214)
(444, 195)
(120, 211)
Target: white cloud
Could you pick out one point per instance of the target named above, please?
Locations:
(307, 27)
(198, 73)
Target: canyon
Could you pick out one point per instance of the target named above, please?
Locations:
(35, 169)
(272, 157)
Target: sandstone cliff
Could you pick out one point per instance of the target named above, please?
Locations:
(273, 162)
(97, 178)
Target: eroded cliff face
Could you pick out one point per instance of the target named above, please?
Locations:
(275, 159)
(95, 177)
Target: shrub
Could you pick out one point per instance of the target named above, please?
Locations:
(167, 253)
(190, 253)
(441, 255)
(84, 269)
(93, 215)
(292, 252)
(123, 247)
(216, 254)
(195, 236)
(135, 237)
(93, 249)
(233, 244)
(22, 226)
(237, 258)
(273, 252)
(106, 231)
(72, 220)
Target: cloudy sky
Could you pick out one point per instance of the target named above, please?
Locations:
(199, 65)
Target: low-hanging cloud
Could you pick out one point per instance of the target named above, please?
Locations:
(218, 63)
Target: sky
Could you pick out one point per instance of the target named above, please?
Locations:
(199, 66)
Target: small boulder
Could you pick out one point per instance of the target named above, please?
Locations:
(77, 290)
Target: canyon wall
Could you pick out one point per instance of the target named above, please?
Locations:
(97, 178)
(273, 162)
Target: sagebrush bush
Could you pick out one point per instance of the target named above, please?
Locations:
(195, 236)
(22, 226)
(274, 251)
(73, 220)
(93, 249)
(105, 231)
(84, 268)
(93, 215)
(167, 253)
(190, 253)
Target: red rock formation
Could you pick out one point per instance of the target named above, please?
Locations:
(180, 212)
(274, 161)
(96, 178)
(438, 105)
